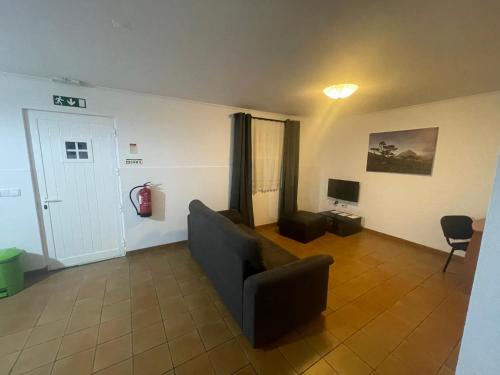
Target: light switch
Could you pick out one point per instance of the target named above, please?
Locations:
(15, 192)
(10, 193)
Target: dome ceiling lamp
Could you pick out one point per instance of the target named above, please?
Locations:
(340, 91)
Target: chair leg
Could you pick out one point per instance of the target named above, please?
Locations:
(448, 260)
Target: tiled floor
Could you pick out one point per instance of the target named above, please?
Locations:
(391, 311)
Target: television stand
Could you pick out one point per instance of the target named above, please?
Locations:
(341, 224)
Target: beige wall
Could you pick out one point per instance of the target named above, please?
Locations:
(409, 206)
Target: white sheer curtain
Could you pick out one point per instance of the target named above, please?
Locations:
(267, 155)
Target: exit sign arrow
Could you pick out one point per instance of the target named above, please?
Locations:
(67, 101)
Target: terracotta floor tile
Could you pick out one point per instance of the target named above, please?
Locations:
(371, 349)
(205, 315)
(222, 309)
(7, 361)
(154, 361)
(142, 303)
(340, 327)
(232, 325)
(213, 334)
(196, 366)
(114, 328)
(47, 332)
(178, 325)
(321, 368)
(78, 341)
(247, 370)
(43, 370)
(445, 371)
(13, 343)
(115, 310)
(17, 322)
(76, 364)
(112, 352)
(345, 362)
(228, 358)
(407, 359)
(172, 306)
(81, 320)
(168, 290)
(266, 361)
(388, 326)
(146, 318)
(380, 289)
(451, 361)
(197, 300)
(116, 295)
(122, 368)
(90, 305)
(36, 356)
(300, 354)
(185, 347)
(322, 342)
(148, 337)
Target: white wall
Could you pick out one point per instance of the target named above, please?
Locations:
(185, 146)
(481, 340)
(410, 206)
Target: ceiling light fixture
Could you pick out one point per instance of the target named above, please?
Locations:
(340, 91)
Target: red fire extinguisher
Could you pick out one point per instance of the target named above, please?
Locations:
(144, 196)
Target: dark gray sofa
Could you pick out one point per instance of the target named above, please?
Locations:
(267, 290)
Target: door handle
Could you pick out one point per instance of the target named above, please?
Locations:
(52, 200)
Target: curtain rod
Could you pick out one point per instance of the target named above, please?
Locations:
(268, 119)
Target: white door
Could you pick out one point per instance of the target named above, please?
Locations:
(77, 176)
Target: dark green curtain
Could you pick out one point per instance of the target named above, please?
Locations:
(241, 178)
(290, 168)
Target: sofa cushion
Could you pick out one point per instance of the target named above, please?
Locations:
(273, 256)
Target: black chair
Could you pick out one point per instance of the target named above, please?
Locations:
(458, 231)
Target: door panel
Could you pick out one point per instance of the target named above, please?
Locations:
(76, 169)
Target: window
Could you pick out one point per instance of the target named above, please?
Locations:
(77, 150)
(267, 155)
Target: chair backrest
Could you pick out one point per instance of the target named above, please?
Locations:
(457, 227)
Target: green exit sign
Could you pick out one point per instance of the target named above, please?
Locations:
(68, 101)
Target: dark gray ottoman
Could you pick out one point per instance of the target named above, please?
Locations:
(302, 226)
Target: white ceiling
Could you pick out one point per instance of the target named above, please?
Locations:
(274, 55)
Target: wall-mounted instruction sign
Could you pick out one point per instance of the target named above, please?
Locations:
(133, 161)
(68, 101)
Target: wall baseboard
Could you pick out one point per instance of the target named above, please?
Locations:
(152, 248)
(431, 250)
(263, 226)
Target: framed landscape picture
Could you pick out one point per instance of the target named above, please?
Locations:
(404, 151)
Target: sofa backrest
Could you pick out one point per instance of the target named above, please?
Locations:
(226, 253)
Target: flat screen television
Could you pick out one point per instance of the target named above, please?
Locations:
(343, 190)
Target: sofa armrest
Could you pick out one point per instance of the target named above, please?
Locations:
(233, 215)
(277, 300)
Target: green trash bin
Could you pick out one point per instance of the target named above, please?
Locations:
(11, 273)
